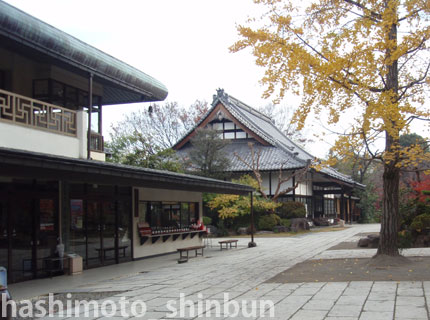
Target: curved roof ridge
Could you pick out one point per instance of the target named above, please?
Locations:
(256, 129)
(252, 110)
(248, 123)
(39, 35)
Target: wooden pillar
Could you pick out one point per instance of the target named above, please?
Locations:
(90, 111)
(116, 235)
(64, 221)
(252, 243)
(100, 119)
(270, 182)
(342, 205)
(350, 209)
(323, 205)
(294, 190)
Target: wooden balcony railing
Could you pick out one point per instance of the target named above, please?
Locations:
(97, 142)
(29, 112)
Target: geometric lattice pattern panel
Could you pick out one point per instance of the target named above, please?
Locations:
(38, 114)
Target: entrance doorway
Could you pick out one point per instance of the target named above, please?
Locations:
(101, 233)
(28, 234)
(100, 230)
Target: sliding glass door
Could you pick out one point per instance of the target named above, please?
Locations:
(101, 231)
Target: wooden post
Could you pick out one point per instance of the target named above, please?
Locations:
(293, 184)
(90, 111)
(252, 243)
(350, 209)
(342, 205)
(270, 182)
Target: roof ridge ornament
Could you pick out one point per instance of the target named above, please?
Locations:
(220, 94)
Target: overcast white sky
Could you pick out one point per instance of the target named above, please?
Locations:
(184, 44)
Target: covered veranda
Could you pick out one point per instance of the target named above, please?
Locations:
(90, 207)
(335, 198)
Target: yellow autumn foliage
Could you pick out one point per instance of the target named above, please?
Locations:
(231, 206)
(364, 61)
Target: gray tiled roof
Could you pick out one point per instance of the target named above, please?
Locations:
(120, 173)
(271, 158)
(281, 152)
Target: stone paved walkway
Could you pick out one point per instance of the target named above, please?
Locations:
(242, 272)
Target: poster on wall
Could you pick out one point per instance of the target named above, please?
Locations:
(77, 214)
(46, 211)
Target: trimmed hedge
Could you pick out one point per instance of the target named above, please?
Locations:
(207, 220)
(292, 209)
(286, 222)
(421, 222)
(268, 222)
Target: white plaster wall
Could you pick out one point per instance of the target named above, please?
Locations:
(98, 156)
(285, 185)
(266, 187)
(19, 137)
(305, 187)
(150, 249)
(25, 138)
(309, 177)
(301, 189)
(81, 132)
(160, 247)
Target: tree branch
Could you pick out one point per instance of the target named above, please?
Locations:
(374, 14)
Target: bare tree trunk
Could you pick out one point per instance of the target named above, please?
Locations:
(391, 177)
(390, 212)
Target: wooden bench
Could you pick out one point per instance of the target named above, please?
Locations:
(228, 242)
(183, 258)
(106, 249)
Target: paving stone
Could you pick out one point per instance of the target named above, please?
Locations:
(408, 312)
(376, 315)
(410, 301)
(361, 284)
(319, 305)
(410, 284)
(299, 300)
(327, 295)
(336, 286)
(384, 286)
(410, 292)
(381, 296)
(340, 310)
(309, 314)
(351, 300)
(305, 291)
(379, 306)
(356, 292)
(242, 273)
(313, 285)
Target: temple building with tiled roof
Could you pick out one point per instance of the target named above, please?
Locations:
(326, 192)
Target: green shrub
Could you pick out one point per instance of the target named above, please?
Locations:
(404, 239)
(221, 229)
(268, 222)
(207, 220)
(421, 222)
(286, 222)
(292, 209)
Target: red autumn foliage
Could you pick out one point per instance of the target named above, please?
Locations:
(421, 186)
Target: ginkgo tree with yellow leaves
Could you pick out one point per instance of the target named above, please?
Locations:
(365, 62)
